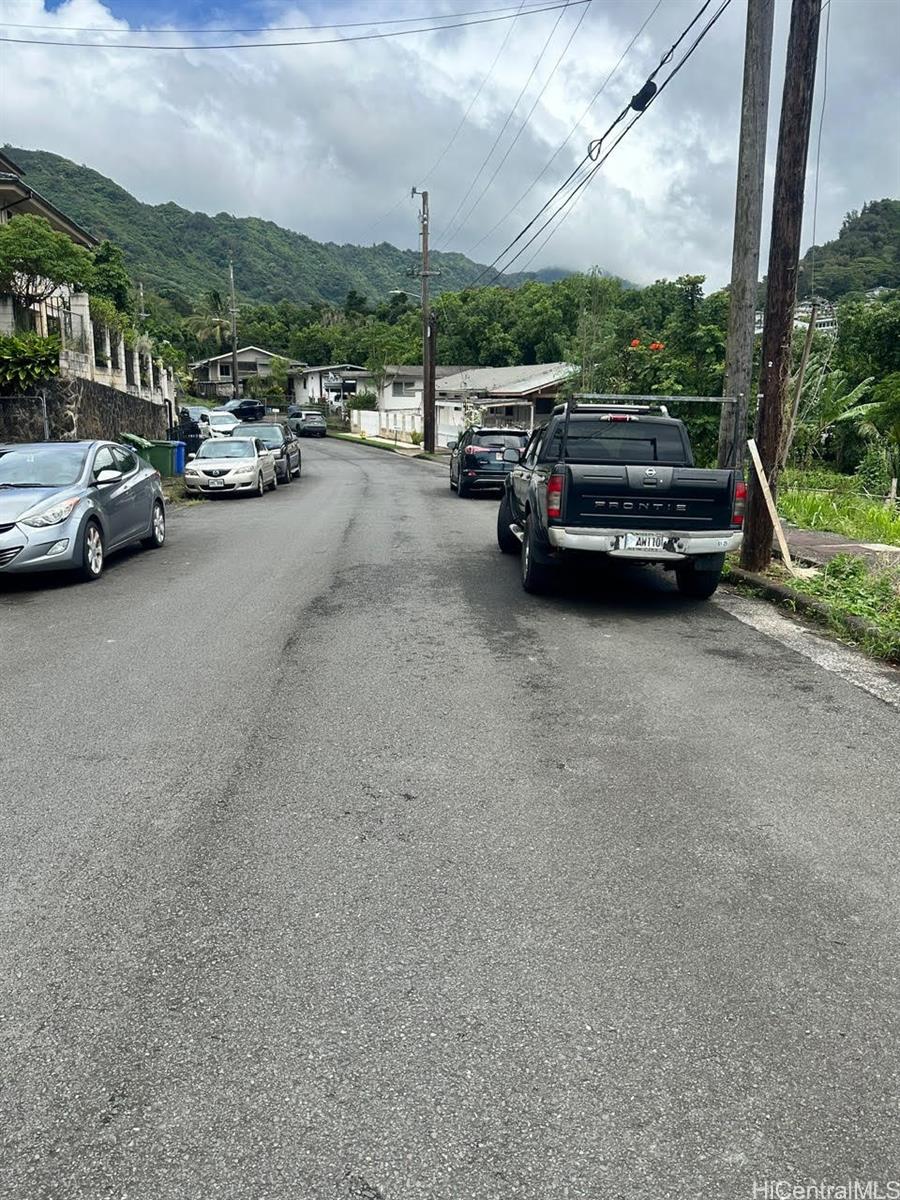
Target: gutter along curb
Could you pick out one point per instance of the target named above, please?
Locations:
(809, 606)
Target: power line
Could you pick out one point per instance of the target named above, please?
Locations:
(556, 153)
(530, 113)
(358, 37)
(667, 57)
(450, 224)
(440, 158)
(476, 12)
(586, 178)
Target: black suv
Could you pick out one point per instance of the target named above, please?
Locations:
(476, 460)
(278, 438)
(246, 410)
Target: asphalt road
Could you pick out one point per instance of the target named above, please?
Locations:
(333, 865)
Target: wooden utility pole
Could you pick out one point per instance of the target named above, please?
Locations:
(747, 226)
(784, 258)
(427, 365)
(235, 382)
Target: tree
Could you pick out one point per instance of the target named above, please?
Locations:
(111, 280)
(35, 260)
(211, 323)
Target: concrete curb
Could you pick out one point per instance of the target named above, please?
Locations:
(373, 445)
(817, 610)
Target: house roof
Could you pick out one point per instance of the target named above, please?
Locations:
(414, 371)
(7, 164)
(506, 381)
(18, 196)
(332, 367)
(202, 362)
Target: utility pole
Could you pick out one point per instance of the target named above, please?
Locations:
(235, 382)
(428, 357)
(747, 226)
(784, 258)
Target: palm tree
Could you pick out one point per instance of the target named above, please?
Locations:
(211, 323)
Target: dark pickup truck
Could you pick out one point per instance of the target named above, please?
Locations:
(618, 480)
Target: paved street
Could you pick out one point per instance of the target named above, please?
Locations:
(332, 865)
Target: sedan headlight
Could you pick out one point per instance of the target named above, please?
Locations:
(246, 469)
(58, 512)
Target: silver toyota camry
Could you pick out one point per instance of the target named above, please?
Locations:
(67, 505)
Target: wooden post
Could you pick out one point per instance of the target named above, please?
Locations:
(770, 506)
(784, 257)
(747, 225)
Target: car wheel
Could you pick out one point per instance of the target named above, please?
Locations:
(536, 575)
(93, 556)
(506, 539)
(273, 486)
(157, 528)
(288, 476)
(462, 489)
(260, 486)
(699, 585)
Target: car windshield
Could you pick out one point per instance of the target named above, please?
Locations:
(223, 448)
(221, 419)
(604, 441)
(41, 466)
(501, 440)
(270, 435)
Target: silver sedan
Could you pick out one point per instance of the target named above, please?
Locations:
(228, 465)
(69, 504)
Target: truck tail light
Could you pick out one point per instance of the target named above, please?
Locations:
(554, 494)
(740, 501)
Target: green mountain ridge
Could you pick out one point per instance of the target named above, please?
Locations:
(182, 254)
(864, 255)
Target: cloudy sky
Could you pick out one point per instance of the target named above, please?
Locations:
(329, 139)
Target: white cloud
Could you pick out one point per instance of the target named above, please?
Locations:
(326, 140)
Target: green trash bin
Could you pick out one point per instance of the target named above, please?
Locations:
(163, 457)
(156, 454)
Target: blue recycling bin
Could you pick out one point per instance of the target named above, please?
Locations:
(179, 457)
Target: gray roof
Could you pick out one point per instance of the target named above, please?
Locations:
(506, 381)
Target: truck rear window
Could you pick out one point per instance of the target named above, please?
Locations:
(596, 440)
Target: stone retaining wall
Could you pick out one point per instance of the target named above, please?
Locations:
(79, 410)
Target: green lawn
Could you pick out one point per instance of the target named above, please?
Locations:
(854, 516)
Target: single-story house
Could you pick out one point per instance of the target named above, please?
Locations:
(213, 376)
(520, 396)
(331, 383)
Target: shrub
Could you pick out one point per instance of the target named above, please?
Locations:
(26, 360)
(416, 438)
(874, 471)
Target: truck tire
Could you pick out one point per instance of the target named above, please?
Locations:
(506, 539)
(536, 574)
(699, 585)
(462, 488)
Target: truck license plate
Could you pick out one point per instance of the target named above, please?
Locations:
(645, 541)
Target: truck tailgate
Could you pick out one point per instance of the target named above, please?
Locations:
(647, 497)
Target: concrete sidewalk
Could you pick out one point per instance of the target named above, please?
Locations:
(818, 547)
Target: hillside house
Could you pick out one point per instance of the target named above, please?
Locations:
(212, 377)
(88, 351)
(519, 396)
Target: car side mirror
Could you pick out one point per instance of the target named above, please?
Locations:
(191, 457)
(512, 455)
(451, 445)
(107, 475)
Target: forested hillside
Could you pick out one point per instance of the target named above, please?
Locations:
(864, 255)
(182, 254)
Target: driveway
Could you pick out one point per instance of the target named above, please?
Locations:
(333, 865)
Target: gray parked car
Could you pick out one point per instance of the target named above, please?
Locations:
(66, 505)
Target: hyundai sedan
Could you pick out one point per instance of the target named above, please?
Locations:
(229, 465)
(67, 505)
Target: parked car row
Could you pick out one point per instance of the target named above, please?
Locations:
(252, 461)
(605, 481)
(68, 505)
(222, 421)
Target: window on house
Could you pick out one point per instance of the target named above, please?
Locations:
(224, 370)
(403, 387)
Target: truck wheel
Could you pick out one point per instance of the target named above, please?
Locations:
(536, 575)
(462, 489)
(699, 585)
(506, 539)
